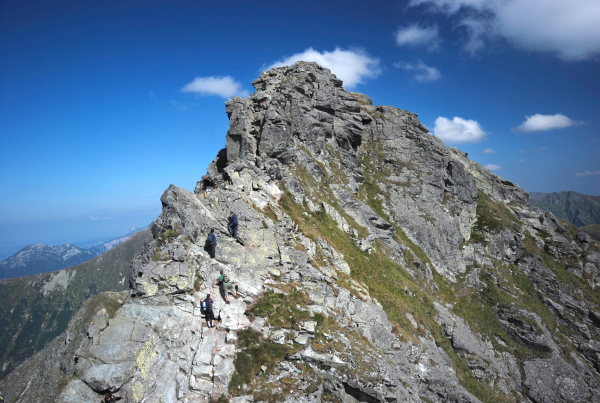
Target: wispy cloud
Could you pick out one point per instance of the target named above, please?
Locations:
(225, 87)
(100, 218)
(493, 167)
(568, 29)
(522, 161)
(351, 66)
(178, 105)
(587, 173)
(424, 73)
(538, 122)
(416, 36)
(489, 151)
(458, 130)
(535, 150)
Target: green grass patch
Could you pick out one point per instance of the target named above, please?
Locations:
(255, 352)
(168, 234)
(283, 311)
(493, 216)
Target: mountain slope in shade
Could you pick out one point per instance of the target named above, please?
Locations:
(36, 309)
(592, 230)
(577, 208)
(40, 258)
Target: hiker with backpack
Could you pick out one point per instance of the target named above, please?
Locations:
(224, 282)
(208, 311)
(208, 185)
(109, 397)
(233, 224)
(211, 243)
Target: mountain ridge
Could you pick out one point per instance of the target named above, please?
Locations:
(40, 258)
(579, 209)
(372, 263)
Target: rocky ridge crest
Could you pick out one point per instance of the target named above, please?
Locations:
(374, 265)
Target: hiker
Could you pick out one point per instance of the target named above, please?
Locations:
(111, 398)
(224, 281)
(208, 311)
(233, 224)
(211, 243)
(208, 185)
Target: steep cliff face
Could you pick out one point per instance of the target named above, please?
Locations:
(373, 264)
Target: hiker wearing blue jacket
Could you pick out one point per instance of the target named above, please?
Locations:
(211, 242)
(233, 224)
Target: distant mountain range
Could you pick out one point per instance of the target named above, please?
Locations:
(36, 309)
(579, 209)
(40, 258)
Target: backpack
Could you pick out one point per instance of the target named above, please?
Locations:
(226, 279)
(204, 305)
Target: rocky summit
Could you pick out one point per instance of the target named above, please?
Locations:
(372, 264)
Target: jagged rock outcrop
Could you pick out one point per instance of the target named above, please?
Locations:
(373, 264)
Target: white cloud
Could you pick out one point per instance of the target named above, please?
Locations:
(493, 167)
(225, 87)
(538, 122)
(569, 29)
(414, 35)
(489, 151)
(424, 73)
(458, 130)
(522, 161)
(351, 66)
(587, 173)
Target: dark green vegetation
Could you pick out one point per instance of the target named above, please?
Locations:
(593, 231)
(55, 360)
(577, 208)
(36, 309)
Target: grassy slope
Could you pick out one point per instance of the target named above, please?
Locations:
(29, 319)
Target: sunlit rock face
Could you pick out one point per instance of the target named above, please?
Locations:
(372, 264)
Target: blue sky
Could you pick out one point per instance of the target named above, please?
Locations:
(104, 104)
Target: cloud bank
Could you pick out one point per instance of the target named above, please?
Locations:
(415, 36)
(424, 73)
(587, 173)
(351, 66)
(458, 130)
(538, 122)
(225, 87)
(569, 29)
